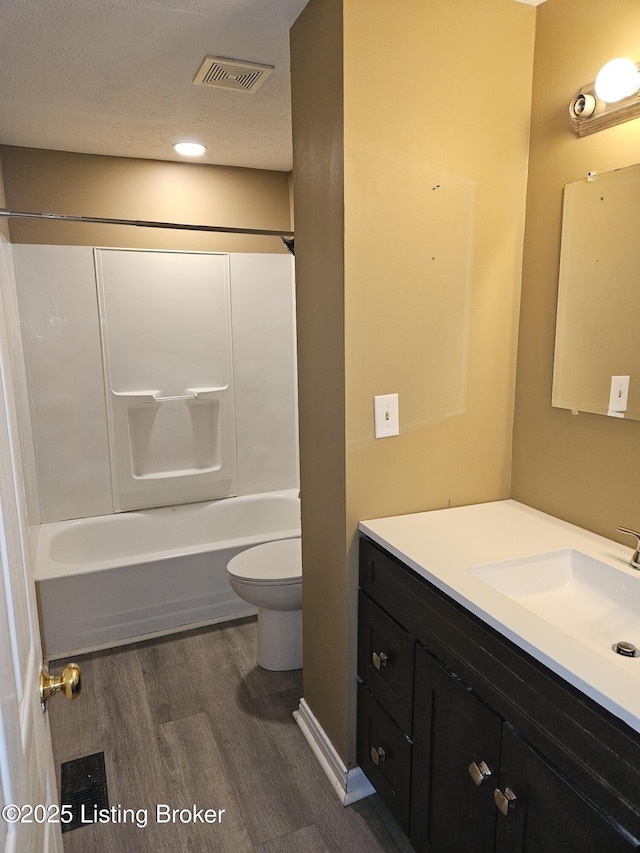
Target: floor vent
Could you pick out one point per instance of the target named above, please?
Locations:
(83, 786)
(232, 74)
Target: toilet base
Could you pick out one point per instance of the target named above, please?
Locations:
(279, 639)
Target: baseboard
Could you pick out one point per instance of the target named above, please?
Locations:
(349, 785)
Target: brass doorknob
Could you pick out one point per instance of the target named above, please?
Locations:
(68, 683)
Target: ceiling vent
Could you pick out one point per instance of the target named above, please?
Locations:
(231, 74)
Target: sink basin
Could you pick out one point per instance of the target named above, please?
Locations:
(595, 603)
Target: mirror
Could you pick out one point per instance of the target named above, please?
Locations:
(597, 350)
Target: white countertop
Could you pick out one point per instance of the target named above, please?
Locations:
(441, 545)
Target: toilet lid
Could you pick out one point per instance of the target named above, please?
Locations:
(274, 562)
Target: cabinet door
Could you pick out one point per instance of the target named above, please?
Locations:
(453, 731)
(548, 814)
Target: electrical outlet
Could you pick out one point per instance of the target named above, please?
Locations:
(385, 415)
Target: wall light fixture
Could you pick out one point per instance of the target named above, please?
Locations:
(613, 98)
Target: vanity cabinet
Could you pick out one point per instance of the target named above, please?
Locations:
(471, 765)
(474, 745)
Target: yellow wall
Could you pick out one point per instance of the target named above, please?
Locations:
(39, 181)
(584, 468)
(316, 57)
(436, 100)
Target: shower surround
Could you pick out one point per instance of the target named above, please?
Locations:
(201, 425)
(81, 458)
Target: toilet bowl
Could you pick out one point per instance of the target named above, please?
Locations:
(269, 576)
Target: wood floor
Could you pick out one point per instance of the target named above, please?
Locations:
(190, 720)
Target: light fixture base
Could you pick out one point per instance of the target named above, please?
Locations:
(588, 113)
(602, 115)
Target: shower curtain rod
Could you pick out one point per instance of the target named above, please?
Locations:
(142, 223)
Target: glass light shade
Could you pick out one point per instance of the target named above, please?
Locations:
(189, 149)
(616, 80)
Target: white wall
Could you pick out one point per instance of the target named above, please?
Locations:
(264, 360)
(59, 315)
(61, 339)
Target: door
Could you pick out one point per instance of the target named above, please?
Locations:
(545, 812)
(456, 753)
(27, 774)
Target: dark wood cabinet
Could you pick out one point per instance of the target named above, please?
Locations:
(385, 706)
(474, 745)
(454, 730)
(549, 813)
(385, 756)
(385, 661)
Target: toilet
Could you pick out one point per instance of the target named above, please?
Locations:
(269, 576)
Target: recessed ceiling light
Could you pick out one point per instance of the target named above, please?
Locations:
(189, 149)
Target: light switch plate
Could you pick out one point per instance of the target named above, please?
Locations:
(619, 395)
(385, 415)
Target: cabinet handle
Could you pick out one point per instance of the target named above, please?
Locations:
(378, 755)
(479, 772)
(504, 800)
(379, 660)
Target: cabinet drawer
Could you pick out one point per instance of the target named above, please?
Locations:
(384, 754)
(385, 661)
(380, 575)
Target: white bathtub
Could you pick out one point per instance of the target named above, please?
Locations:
(120, 578)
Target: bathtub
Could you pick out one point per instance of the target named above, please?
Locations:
(116, 579)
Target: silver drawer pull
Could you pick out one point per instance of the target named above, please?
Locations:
(377, 755)
(379, 660)
(479, 772)
(505, 801)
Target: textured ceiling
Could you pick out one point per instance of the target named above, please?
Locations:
(114, 77)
